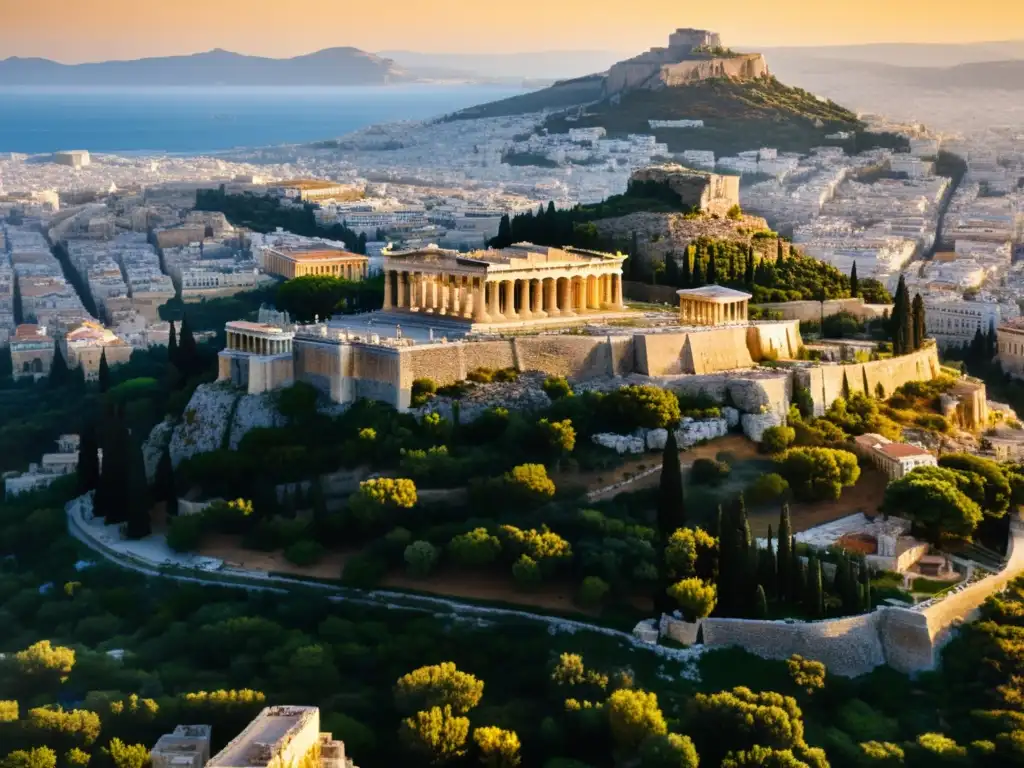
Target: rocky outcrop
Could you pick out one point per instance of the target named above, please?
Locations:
(707, 192)
(754, 424)
(205, 421)
(154, 444)
(253, 411)
(690, 433)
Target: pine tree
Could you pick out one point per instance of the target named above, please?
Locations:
(88, 471)
(785, 557)
(854, 285)
(687, 278)
(164, 486)
(671, 513)
(713, 268)
(60, 375)
(760, 603)
(104, 372)
(814, 597)
(188, 352)
(137, 521)
(918, 331)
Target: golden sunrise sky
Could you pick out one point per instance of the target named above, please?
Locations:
(90, 30)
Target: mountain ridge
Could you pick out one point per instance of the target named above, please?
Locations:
(343, 65)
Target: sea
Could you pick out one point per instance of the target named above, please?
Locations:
(187, 120)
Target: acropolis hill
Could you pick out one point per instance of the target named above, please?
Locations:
(692, 55)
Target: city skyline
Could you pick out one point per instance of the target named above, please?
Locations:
(74, 33)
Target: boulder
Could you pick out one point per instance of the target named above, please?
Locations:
(656, 439)
(731, 416)
(621, 444)
(691, 432)
(754, 424)
(748, 395)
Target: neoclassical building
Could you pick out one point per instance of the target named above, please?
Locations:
(300, 262)
(1010, 347)
(257, 356)
(518, 284)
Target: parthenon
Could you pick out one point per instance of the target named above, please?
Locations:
(257, 338)
(524, 282)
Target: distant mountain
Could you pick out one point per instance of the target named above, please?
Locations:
(333, 66)
(900, 54)
(537, 65)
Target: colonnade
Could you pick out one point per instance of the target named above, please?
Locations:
(258, 345)
(499, 299)
(696, 312)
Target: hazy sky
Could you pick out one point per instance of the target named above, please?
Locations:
(89, 30)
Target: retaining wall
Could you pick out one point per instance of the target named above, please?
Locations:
(825, 382)
(812, 310)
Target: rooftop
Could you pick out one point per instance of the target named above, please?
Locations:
(248, 327)
(310, 183)
(29, 332)
(317, 254)
(716, 293)
(265, 736)
(901, 450)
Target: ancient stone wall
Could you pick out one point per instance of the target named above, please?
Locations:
(825, 382)
(746, 66)
(721, 349)
(774, 339)
(489, 354)
(577, 356)
(707, 192)
(812, 310)
(849, 646)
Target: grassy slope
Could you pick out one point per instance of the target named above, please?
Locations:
(737, 116)
(569, 93)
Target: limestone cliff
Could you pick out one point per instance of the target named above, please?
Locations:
(709, 193)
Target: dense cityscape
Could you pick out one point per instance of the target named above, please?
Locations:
(669, 416)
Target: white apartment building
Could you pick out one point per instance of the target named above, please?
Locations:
(953, 322)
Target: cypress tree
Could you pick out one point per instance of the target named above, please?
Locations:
(749, 276)
(846, 387)
(88, 471)
(671, 514)
(854, 285)
(60, 375)
(918, 331)
(726, 564)
(760, 603)
(865, 586)
(713, 268)
(767, 576)
(104, 372)
(111, 500)
(188, 352)
(814, 598)
(671, 270)
(687, 278)
(798, 572)
(698, 268)
(137, 522)
(779, 254)
(990, 340)
(504, 238)
(172, 345)
(164, 486)
(731, 277)
(785, 558)
(864, 376)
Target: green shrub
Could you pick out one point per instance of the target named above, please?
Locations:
(767, 488)
(777, 439)
(364, 570)
(640, 406)
(526, 572)
(530, 483)
(303, 553)
(506, 374)
(708, 472)
(481, 375)
(421, 557)
(696, 598)
(593, 591)
(556, 387)
(475, 548)
(185, 533)
(816, 474)
(454, 391)
(422, 390)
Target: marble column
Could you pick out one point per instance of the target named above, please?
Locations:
(617, 292)
(400, 279)
(480, 301)
(524, 300)
(387, 289)
(509, 294)
(551, 296)
(537, 300)
(494, 304)
(565, 296)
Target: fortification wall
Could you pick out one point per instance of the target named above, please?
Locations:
(779, 338)
(825, 382)
(812, 310)
(721, 349)
(579, 356)
(906, 640)
(377, 375)
(849, 646)
(746, 66)
(489, 354)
